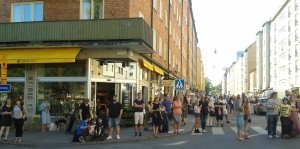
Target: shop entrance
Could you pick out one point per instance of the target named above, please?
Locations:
(105, 92)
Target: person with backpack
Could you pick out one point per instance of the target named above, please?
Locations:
(6, 118)
(19, 116)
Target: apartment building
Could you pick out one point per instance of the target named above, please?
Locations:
(67, 50)
(285, 34)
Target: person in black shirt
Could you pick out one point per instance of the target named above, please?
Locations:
(203, 103)
(85, 110)
(114, 112)
(139, 114)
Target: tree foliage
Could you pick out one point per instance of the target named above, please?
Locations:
(210, 89)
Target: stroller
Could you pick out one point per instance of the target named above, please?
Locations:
(101, 125)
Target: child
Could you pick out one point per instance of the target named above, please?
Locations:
(197, 110)
(287, 124)
(240, 123)
(83, 129)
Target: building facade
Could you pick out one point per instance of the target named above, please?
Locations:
(65, 51)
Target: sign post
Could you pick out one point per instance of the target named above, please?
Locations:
(179, 84)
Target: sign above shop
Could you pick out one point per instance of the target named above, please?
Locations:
(167, 83)
(5, 88)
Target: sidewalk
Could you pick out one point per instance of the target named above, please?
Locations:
(59, 137)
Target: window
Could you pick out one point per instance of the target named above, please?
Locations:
(25, 12)
(99, 9)
(170, 57)
(86, 11)
(165, 51)
(155, 4)
(166, 19)
(160, 10)
(170, 29)
(154, 40)
(160, 50)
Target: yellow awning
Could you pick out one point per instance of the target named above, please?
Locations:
(147, 65)
(41, 55)
(158, 70)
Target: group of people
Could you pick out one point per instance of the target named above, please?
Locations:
(13, 113)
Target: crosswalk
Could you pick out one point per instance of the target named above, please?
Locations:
(254, 130)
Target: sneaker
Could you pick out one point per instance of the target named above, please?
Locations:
(204, 131)
(135, 134)
(270, 136)
(241, 139)
(197, 131)
(275, 136)
(118, 137)
(228, 122)
(108, 138)
(140, 134)
(81, 139)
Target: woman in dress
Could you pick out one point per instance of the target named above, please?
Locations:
(46, 120)
(294, 117)
(6, 118)
(19, 112)
(157, 118)
(177, 111)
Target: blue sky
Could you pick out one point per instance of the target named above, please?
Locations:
(228, 26)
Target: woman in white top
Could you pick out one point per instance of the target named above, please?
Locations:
(19, 113)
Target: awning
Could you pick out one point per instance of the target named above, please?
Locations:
(158, 70)
(147, 65)
(41, 55)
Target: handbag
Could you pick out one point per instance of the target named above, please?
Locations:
(25, 118)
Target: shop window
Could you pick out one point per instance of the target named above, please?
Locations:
(62, 69)
(61, 95)
(16, 70)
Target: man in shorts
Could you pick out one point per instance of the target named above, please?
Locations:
(138, 114)
(114, 112)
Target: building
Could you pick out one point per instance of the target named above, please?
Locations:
(200, 83)
(67, 50)
(285, 34)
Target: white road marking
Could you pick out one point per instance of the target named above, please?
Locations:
(177, 143)
(217, 131)
(234, 129)
(180, 130)
(260, 130)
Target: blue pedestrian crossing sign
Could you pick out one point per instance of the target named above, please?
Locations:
(179, 84)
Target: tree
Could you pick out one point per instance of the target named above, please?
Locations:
(208, 86)
(210, 89)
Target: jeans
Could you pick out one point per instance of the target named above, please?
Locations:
(272, 124)
(19, 127)
(203, 120)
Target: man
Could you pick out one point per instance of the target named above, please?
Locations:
(138, 114)
(272, 115)
(83, 128)
(167, 104)
(114, 112)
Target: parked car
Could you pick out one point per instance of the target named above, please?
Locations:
(260, 107)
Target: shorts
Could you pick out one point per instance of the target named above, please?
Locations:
(177, 118)
(138, 118)
(246, 117)
(113, 122)
(219, 117)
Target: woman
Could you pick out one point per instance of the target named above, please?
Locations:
(294, 117)
(156, 116)
(245, 104)
(184, 110)
(197, 110)
(19, 113)
(46, 120)
(203, 103)
(219, 111)
(211, 114)
(6, 118)
(177, 111)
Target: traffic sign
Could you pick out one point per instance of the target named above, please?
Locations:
(5, 87)
(179, 84)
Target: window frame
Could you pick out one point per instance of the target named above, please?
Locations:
(32, 9)
(92, 10)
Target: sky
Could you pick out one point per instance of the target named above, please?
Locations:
(228, 26)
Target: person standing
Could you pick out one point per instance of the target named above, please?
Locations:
(211, 112)
(85, 110)
(177, 111)
(203, 103)
(240, 123)
(197, 111)
(294, 116)
(286, 122)
(184, 110)
(219, 112)
(6, 118)
(167, 116)
(272, 112)
(114, 113)
(19, 113)
(138, 114)
(245, 104)
(46, 119)
(157, 117)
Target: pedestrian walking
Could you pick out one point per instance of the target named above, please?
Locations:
(272, 111)
(6, 123)
(46, 119)
(114, 113)
(138, 114)
(177, 111)
(19, 115)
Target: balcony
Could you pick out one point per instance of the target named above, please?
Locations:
(131, 33)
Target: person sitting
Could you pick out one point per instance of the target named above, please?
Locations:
(83, 129)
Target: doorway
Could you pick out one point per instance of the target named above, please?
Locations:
(105, 92)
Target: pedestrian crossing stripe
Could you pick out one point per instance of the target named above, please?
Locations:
(220, 131)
